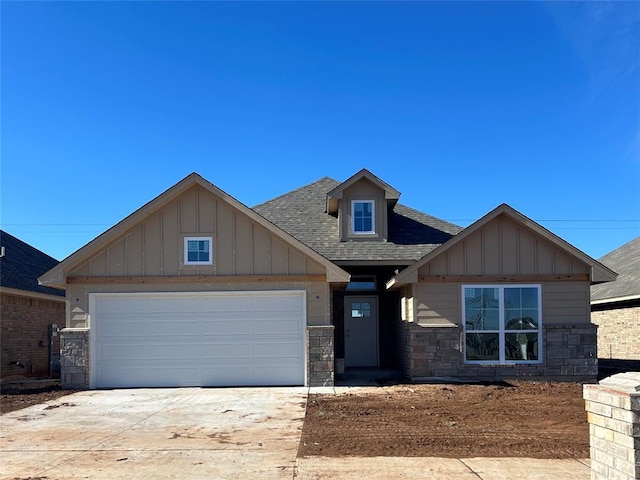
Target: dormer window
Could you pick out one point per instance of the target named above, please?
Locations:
(362, 216)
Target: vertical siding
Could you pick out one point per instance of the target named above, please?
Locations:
(170, 247)
(135, 256)
(503, 247)
(155, 247)
(225, 251)
(117, 258)
(261, 251)
(244, 243)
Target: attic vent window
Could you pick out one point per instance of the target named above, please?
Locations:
(362, 216)
(198, 250)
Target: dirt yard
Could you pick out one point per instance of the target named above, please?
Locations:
(527, 419)
(11, 400)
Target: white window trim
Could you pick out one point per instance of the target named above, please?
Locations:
(373, 217)
(501, 332)
(186, 250)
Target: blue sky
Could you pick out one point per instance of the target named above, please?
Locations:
(461, 106)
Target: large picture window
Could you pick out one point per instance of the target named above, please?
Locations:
(198, 251)
(502, 324)
(362, 216)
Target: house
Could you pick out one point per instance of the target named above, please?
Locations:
(28, 311)
(195, 288)
(615, 309)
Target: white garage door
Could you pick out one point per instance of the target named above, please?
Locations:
(197, 339)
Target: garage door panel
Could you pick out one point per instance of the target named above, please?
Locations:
(117, 328)
(150, 377)
(226, 327)
(284, 350)
(110, 352)
(222, 351)
(283, 373)
(174, 351)
(275, 304)
(226, 304)
(205, 339)
(277, 325)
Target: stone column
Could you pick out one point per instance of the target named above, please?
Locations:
(613, 411)
(321, 356)
(74, 358)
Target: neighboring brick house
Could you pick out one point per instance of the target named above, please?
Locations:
(26, 311)
(195, 288)
(615, 308)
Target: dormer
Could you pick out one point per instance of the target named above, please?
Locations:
(361, 204)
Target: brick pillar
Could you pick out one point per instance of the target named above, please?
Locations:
(74, 358)
(320, 351)
(613, 411)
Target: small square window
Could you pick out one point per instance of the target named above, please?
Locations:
(198, 251)
(362, 216)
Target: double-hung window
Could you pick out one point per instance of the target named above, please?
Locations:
(502, 324)
(198, 250)
(362, 216)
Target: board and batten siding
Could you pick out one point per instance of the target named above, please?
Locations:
(502, 247)
(506, 253)
(155, 246)
(363, 190)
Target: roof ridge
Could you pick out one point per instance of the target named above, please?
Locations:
(294, 191)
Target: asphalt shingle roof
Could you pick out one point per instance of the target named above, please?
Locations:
(625, 261)
(22, 264)
(301, 213)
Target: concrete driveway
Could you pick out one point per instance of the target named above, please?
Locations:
(156, 433)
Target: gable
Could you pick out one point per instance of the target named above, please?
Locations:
(150, 241)
(505, 242)
(503, 247)
(155, 246)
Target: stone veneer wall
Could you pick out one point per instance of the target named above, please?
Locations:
(320, 370)
(74, 358)
(618, 333)
(613, 411)
(569, 353)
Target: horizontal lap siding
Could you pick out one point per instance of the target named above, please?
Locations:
(565, 303)
(562, 302)
(317, 296)
(437, 304)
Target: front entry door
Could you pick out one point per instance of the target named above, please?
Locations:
(360, 332)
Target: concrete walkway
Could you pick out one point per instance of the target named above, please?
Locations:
(418, 468)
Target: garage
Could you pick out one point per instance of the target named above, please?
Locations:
(197, 339)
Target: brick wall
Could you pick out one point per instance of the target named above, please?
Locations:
(569, 354)
(613, 411)
(618, 333)
(24, 335)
